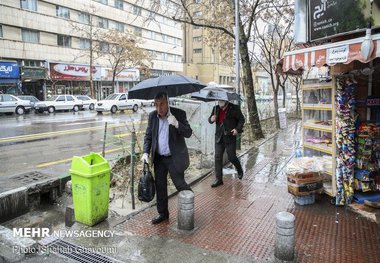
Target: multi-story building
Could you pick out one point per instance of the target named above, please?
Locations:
(45, 45)
(205, 62)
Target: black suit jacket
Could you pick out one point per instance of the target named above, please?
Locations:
(234, 120)
(177, 144)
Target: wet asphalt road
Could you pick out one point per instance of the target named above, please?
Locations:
(48, 141)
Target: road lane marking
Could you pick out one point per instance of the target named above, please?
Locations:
(51, 134)
(127, 134)
(42, 165)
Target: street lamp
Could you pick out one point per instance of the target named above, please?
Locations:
(162, 61)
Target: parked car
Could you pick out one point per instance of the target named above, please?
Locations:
(143, 103)
(11, 104)
(115, 102)
(88, 102)
(59, 102)
(31, 98)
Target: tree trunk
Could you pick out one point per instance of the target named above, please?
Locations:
(253, 115)
(283, 97)
(275, 102)
(113, 79)
(298, 102)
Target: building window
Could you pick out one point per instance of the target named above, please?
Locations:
(63, 12)
(1, 31)
(119, 27)
(103, 22)
(195, 27)
(29, 4)
(104, 47)
(137, 10)
(33, 63)
(84, 18)
(64, 41)
(84, 43)
(119, 4)
(197, 39)
(137, 31)
(102, 1)
(197, 1)
(197, 14)
(30, 36)
(197, 50)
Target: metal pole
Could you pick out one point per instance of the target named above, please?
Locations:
(237, 47)
(237, 62)
(104, 140)
(133, 167)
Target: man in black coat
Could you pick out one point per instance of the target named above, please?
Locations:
(229, 122)
(165, 141)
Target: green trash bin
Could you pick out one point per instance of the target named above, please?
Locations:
(90, 182)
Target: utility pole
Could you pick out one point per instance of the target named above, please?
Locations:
(237, 62)
(237, 47)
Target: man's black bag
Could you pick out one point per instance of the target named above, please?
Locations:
(146, 189)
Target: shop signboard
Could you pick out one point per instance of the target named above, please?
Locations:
(33, 73)
(127, 75)
(328, 18)
(62, 71)
(9, 70)
(337, 55)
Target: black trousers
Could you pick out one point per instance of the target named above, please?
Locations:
(230, 147)
(162, 166)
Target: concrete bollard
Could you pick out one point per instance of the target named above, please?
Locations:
(186, 210)
(284, 243)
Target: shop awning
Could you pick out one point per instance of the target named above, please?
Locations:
(327, 55)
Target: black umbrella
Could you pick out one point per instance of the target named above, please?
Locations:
(173, 85)
(214, 93)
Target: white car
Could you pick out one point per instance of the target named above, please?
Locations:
(88, 102)
(11, 104)
(115, 102)
(59, 102)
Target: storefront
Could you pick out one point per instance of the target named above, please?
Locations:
(34, 81)
(10, 78)
(72, 79)
(340, 115)
(124, 80)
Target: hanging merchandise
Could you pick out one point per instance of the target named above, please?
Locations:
(367, 157)
(345, 140)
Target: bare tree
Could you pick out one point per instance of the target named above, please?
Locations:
(219, 15)
(272, 40)
(122, 51)
(89, 32)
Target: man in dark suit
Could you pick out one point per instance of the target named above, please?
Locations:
(229, 122)
(165, 140)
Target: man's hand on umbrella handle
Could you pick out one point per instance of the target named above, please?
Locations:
(234, 132)
(173, 121)
(145, 158)
(213, 118)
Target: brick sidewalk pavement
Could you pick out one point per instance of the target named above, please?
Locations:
(238, 218)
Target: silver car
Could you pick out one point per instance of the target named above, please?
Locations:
(88, 102)
(59, 102)
(11, 104)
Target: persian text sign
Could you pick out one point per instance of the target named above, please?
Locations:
(9, 70)
(337, 55)
(333, 17)
(62, 71)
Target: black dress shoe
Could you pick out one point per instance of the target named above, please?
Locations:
(240, 175)
(217, 183)
(159, 218)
